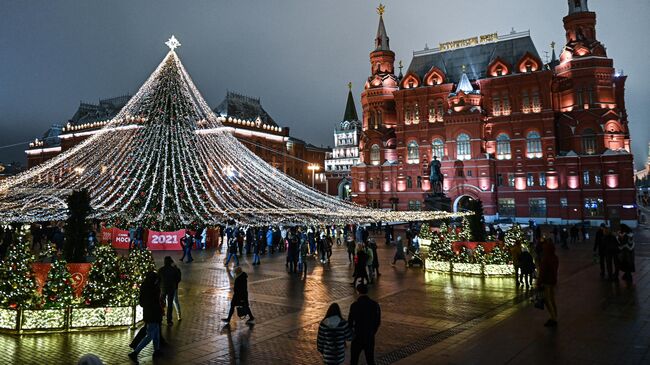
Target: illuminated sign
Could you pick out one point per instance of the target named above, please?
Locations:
(468, 42)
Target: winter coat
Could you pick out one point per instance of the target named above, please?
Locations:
(370, 261)
(549, 266)
(269, 237)
(304, 249)
(364, 319)
(232, 246)
(399, 250)
(150, 302)
(626, 252)
(332, 333)
(526, 263)
(240, 290)
(360, 267)
(170, 276)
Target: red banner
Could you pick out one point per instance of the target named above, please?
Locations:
(165, 240)
(79, 273)
(487, 246)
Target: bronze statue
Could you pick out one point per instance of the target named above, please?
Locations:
(435, 176)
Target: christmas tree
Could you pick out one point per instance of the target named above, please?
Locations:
(103, 279)
(498, 256)
(425, 232)
(132, 271)
(476, 220)
(514, 235)
(465, 234)
(17, 283)
(58, 292)
(479, 256)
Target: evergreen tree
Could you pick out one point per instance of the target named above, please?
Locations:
(514, 235)
(499, 256)
(440, 249)
(58, 292)
(77, 227)
(465, 234)
(476, 221)
(17, 282)
(102, 287)
(132, 271)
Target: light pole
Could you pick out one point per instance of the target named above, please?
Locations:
(313, 167)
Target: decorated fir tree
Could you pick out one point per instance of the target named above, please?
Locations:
(479, 256)
(17, 282)
(498, 256)
(425, 232)
(58, 292)
(465, 234)
(132, 270)
(514, 235)
(103, 279)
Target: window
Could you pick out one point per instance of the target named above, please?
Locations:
(530, 179)
(409, 182)
(525, 102)
(416, 114)
(413, 153)
(463, 147)
(418, 205)
(499, 70)
(597, 178)
(537, 106)
(414, 205)
(533, 145)
(537, 207)
(441, 111)
(594, 207)
(542, 179)
(438, 148)
(506, 207)
(379, 120)
(529, 67)
(370, 184)
(585, 178)
(563, 203)
(506, 103)
(590, 95)
(499, 179)
(432, 112)
(469, 173)
(419, 182)
(503, 147)
(375, 154)
(496, 105)
(407, 115)
(511, 180)
(589, 142)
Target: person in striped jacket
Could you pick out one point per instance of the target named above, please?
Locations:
(332, 334)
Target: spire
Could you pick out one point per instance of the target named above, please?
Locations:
(350, 109)
(381, 41)
(464, 84)
(400, 70)
(578, 6)
(553, 56)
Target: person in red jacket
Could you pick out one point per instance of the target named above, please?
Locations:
(547, 280)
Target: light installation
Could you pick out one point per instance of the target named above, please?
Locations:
(167, 161)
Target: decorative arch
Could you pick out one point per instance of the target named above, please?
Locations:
(529, 63)
(410, 81)
(613, 126)
(499, 67)
(435, 76)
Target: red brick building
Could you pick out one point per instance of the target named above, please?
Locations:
(548, 142)
(250, 123)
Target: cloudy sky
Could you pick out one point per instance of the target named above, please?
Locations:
(296, 55)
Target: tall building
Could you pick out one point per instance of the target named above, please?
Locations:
(547, 142)
(345, 154)
(244, 116)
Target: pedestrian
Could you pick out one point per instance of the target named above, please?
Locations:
(375, 261)
(611, 255)
(139, 237)
(556, 234)
(302, 259)
(626, 252)
(600, 249)
(329, 243)
(547, 281)
(256, 250)
(131, 237)
(360, 263)
(515, 252)
(293, 251)
(526, 266)
(574, 234)
(364, 320)
(399, 252)
(204, 238)
(350, 247)
(232, 251)
(501, 236)
(583, 233)
(170, 276)
(388, 235)
(564, 236)
(149, 300)
(240, 298)
(186, 244)
(269, 239)
(370, 262)
(197, 238)
(333, 331)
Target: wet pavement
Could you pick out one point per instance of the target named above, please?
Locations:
(426, 318)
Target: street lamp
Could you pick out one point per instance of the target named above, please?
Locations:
(313, 167)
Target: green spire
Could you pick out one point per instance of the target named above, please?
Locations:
(350, 110)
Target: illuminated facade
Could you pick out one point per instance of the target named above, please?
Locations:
(548, 142)
(249, 122)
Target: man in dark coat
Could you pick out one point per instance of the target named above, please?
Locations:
(152, 313)
(364, 320)
(170, 276)
(240, 298)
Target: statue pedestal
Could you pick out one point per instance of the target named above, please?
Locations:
(437, 201)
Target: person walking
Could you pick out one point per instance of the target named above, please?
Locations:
(600, 248)
(269, 239)
(626, 252)
(232, 251)
(149, 300)
(170, 276)
(364, 320)
(256, 249)
(139, 237)
(204, 238)
(515, 252)
(564, 236)
(240, 298)
(369, 262)
(375, 261)
(186, 243)
(526, 267)
(360, 263)
(292, 254)
(611, 255)
(399, 252)
(333, 331)
(302, 259)
(574, 234)
(547, 280)
(350, 248)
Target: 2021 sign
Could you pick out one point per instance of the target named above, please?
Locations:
(164, 239)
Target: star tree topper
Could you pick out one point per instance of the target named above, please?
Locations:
(173, 43)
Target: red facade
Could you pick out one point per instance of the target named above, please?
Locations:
(548, 142)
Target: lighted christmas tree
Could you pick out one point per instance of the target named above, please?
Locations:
(498, 256)
(465, 234)
(479, 256)
(440, 249)
(58, 292)
(132, 271)
(425, 232)
(17, 283)
(514, 235)
(102, 287)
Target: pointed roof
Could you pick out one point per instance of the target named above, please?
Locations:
(166, 161)
(350, 109)
(464, 85)
(381, 40)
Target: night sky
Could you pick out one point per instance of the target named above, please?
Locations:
(296, 55)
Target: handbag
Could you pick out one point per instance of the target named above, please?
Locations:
(538, 299)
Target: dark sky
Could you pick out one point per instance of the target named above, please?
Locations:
(296, 55)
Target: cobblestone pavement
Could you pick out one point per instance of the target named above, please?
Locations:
(426, 318)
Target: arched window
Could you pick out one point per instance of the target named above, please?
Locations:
(463, 147)
(503, 147)
(409, 182)
(413, 153)
(533, 145)
(438, 148)
(588, 142)
(375, 154)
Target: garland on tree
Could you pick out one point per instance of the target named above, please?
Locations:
(103, 279)
(58, 292)
(132, 272)
(425, 232)
(515, 235)
(465, 234)
(17, 282)
(498, 256)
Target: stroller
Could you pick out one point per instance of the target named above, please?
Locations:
(415, 260)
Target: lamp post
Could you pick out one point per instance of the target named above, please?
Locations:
(313, 167)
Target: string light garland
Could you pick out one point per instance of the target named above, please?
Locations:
(167, 161)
